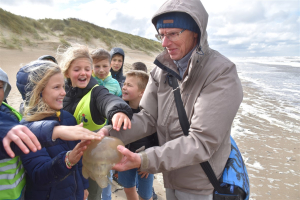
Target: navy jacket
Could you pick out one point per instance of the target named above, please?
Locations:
(46, 173)
(7, 121)
(119, 74)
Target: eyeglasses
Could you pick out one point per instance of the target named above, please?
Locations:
(173, 36)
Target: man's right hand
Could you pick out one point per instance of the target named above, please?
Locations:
(72, 133)
(21, 135)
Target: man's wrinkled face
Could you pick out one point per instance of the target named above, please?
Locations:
(185, 42)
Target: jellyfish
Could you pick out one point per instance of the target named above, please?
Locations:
(99, 158)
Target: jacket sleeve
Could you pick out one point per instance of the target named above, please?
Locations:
(210, 125)
(43, 170)
(210, 122)
(45, 138)
(110, 104)
(7, 123)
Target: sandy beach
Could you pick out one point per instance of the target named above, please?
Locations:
(267, 138)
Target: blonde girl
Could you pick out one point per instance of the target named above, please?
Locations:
(53, 172)
(90, 103)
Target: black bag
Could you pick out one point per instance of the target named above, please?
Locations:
(234, 182)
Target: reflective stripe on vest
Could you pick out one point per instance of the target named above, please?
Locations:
(12, 172)
(83, 113)
(12, 178)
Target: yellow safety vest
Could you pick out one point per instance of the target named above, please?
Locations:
(12, 172)
(83, 113)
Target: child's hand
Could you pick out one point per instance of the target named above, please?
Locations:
(21, 135)
(78, 150)
(71, 133)
(118, 119)
(103, 132)
(143, 174)
(86, 194)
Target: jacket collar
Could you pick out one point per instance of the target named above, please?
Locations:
(80, 92)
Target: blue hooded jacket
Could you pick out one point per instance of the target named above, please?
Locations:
(46, 173)
(118, 75)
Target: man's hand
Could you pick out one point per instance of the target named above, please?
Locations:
(118, 119)
(21, 135)
(130, 160)
(71, 133)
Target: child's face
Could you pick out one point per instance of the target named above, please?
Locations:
(130, 89)
(54, 92)
(116, 62)
(102, 68)
(1, 92)
(80, 72)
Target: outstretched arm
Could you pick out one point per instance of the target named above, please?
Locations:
(24, 141)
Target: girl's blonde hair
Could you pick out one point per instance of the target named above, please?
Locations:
(39, 74)
(67, 56)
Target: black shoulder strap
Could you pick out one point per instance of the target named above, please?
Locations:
(185, 125)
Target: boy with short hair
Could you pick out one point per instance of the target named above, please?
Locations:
(132, 92)
(101, 71)
(117, 61)
(139, 66)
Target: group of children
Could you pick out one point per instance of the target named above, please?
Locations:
(63, 104)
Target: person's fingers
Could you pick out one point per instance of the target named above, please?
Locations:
(80, 125)
(121, 120)
(6, 145)
(89, 135)
(143, 174)
(33, 143)
(124, 151)
(115, 121)
(13, 137)
(103, 132)
(127, 123)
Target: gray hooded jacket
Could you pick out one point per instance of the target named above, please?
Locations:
(7, 87)
(211, 92)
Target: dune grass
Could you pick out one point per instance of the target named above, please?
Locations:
(19, 25)
(64, 29)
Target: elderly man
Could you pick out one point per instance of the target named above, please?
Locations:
(211, 93)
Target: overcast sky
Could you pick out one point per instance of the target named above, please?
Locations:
(235, 28)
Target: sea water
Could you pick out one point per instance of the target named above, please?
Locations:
(277, 77)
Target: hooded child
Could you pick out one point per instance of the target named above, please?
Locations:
(117, 62)
(11, 169)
